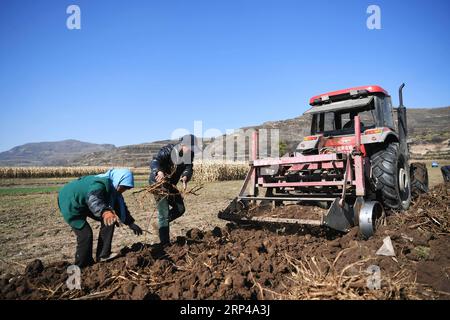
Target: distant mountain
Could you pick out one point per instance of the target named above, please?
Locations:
(137, 155)
(429, 136)
(59, 153)
(429, 133)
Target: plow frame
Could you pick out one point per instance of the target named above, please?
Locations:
(343, 212)
(353, 162)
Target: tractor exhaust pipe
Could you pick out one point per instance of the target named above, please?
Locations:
(400, 95)
(402, 123)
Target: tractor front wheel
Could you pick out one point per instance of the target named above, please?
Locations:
(391, 174)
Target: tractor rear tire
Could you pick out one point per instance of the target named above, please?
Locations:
(391, 174)
(419, 178)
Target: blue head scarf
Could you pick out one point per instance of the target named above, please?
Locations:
(119, 177)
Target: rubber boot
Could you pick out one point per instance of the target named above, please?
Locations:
(83, 255)
(164, 236)
(104, 242)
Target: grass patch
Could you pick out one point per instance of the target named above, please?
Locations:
(422, 252)
(28, 190)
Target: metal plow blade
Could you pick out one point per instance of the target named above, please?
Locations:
(239, 211)
(335, 217)
(365, 214)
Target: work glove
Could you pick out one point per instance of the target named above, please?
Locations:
(109, 218)
(136, 229)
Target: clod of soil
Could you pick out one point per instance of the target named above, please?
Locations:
(34, 268)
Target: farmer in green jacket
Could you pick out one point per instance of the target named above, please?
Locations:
(100, 198)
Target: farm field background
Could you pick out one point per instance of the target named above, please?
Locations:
(31, 226)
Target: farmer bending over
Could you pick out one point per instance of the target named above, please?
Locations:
(100, 198)
(172, 164)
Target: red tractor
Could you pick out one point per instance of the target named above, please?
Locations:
(355, 163)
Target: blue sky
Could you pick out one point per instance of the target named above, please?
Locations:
(137, 70)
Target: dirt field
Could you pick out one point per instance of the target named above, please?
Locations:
(212, 260)
(31, 226)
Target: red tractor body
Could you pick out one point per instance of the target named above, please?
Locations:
(340, 164)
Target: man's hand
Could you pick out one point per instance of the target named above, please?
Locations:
(184, 181)
(160, 176)
(136, 229)
(109, 218)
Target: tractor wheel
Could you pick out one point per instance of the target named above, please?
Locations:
(390, 171)
(419, 178)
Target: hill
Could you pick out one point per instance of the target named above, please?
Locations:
(429, 133)
(59, 153)
(137, 155)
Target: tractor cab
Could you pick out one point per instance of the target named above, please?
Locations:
(333, 113)
(333, 117)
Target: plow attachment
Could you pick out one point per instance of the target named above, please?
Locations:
(366, 214)
(333, 181)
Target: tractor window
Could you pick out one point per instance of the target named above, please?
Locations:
(323, 122)
(329, 124)
(386, 105)
(332, 123)
(367, 119)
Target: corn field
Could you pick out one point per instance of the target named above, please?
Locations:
(219, 171)
(49, 172)
(203, 172)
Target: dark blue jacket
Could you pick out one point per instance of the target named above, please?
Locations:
(171, 160)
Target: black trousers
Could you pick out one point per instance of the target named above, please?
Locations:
(446, 173)
(83, 255)
(169, 208)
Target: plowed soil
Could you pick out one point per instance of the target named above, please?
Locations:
(292, 211)
(245, 262)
